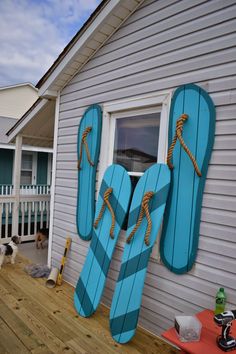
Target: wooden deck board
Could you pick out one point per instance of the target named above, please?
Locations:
(38, 320)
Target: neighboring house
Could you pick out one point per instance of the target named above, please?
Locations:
(35, 165)
(129, 57)
(15, 101)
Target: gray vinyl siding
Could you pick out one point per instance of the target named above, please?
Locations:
(164, 44)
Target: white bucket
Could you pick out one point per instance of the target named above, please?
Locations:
(52, 278)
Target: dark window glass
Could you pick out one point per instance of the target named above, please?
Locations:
(136, 141)
(136, 145)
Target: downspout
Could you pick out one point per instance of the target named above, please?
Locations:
(52, 200)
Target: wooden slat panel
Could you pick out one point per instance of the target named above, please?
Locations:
(39, 320)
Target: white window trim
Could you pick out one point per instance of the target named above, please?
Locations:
(162, 99)
(34, 166)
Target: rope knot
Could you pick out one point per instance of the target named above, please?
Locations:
(107, 193)
(180, 122)
(84, 142)
(144, 210)
(147, 196)
(85, 133)
(104, 204)
(178, 135)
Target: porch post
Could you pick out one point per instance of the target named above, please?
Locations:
(16, 185)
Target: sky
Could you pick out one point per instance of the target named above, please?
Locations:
(34, 32)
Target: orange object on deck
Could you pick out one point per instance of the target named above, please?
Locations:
(209, 333)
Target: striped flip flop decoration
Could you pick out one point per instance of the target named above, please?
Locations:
(127, 298)
(92, 279)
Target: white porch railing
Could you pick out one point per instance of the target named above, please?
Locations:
(28, 189)
(33, 213)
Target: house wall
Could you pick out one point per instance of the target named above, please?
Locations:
(6, 166)
(16, 100)
(42, 168)
(164, 44)
(5, 124)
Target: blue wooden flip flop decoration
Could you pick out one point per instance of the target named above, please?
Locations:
(127, 298)
(88, 147)
(116, 189)
(193, 114)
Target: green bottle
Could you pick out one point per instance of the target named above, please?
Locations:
(220, 301)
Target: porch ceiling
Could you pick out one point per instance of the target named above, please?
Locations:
(36, 126)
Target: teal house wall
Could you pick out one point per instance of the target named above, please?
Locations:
(6, 166)
(42, 168)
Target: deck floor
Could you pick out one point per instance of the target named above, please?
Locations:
(30, 251)
(35, 319)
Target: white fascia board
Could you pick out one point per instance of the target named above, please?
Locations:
(50, 94)
(36, 148)
(8, 147)
(77, 46)
(27, 119)
(27, 148)
(19, 85)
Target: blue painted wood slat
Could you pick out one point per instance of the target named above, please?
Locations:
(92, 279)
(127, 297)
(179, 240)
(87, 174)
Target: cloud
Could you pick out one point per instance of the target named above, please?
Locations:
(33, 33)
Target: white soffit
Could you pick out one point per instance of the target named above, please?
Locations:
(36, 126)
(98, 32)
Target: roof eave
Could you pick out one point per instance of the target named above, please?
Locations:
(16, 129)
(79, 50)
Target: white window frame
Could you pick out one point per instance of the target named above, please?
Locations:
(34, 165)
(118, 108)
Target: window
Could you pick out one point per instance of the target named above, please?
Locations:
(135, 135)
(136, 140)
(28, 168)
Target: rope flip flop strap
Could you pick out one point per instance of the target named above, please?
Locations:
(178, 135)
(104, 204)
(84, 142)
(144, 210)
